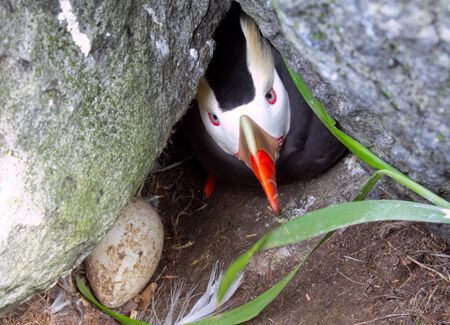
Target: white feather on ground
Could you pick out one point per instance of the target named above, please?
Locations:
(205, 306)
(59, 306)
(60, 303)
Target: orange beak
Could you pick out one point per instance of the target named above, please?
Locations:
(259, 151)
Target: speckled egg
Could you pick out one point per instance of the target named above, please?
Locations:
(126, 258)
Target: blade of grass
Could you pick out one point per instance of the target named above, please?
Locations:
(237, 267)
(394, 210)
(310, 225)
(430, 196)
(254, 307)
(331, 218)
(235, 316)
(121, 318)
(357, 148)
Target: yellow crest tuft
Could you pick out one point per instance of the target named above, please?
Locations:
(205, 96)
(259, 54)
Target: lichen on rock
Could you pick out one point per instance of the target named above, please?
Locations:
(80, 126)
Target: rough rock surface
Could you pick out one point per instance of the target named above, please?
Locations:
(88, 98)
(392, 61)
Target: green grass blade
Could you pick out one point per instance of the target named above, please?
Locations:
(362, 152)
(357, 148)
(254, 307)
(367, 187)
(427, 194)
(250, 309)
(235, 316)
(331, 218)
(313, 224)
(316, 223)
(121, 318)
(236, 268)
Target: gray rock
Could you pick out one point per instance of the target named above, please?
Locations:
(87, 101)
(391, 60)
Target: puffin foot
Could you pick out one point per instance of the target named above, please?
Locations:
(209, 186)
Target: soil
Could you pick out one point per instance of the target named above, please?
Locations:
(378, 273)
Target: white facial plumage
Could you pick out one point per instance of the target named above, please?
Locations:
(223, 126)
(270, 107)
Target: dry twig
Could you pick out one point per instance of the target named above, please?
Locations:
(428, 268)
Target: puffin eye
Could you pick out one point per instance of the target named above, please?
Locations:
(271, 96)
(214, 119)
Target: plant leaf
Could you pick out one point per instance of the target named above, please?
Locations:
(121, 318)
(357, 148)
(331, 218)
(254, 307)
(318, 222)
(405, 181)
(237, 267)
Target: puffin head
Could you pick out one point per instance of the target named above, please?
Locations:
(243, 103)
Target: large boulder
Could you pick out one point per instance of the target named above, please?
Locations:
(89, 92)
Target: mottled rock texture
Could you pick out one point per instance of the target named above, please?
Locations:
(391, 59)
(81, 123)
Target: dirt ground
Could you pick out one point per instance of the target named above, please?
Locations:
(379, 273)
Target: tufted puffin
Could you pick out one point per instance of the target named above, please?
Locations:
(249, 124)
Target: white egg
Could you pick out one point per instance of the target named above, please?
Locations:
(125, 259)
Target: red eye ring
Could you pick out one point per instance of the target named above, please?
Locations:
(214, 119)
(271, 96)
